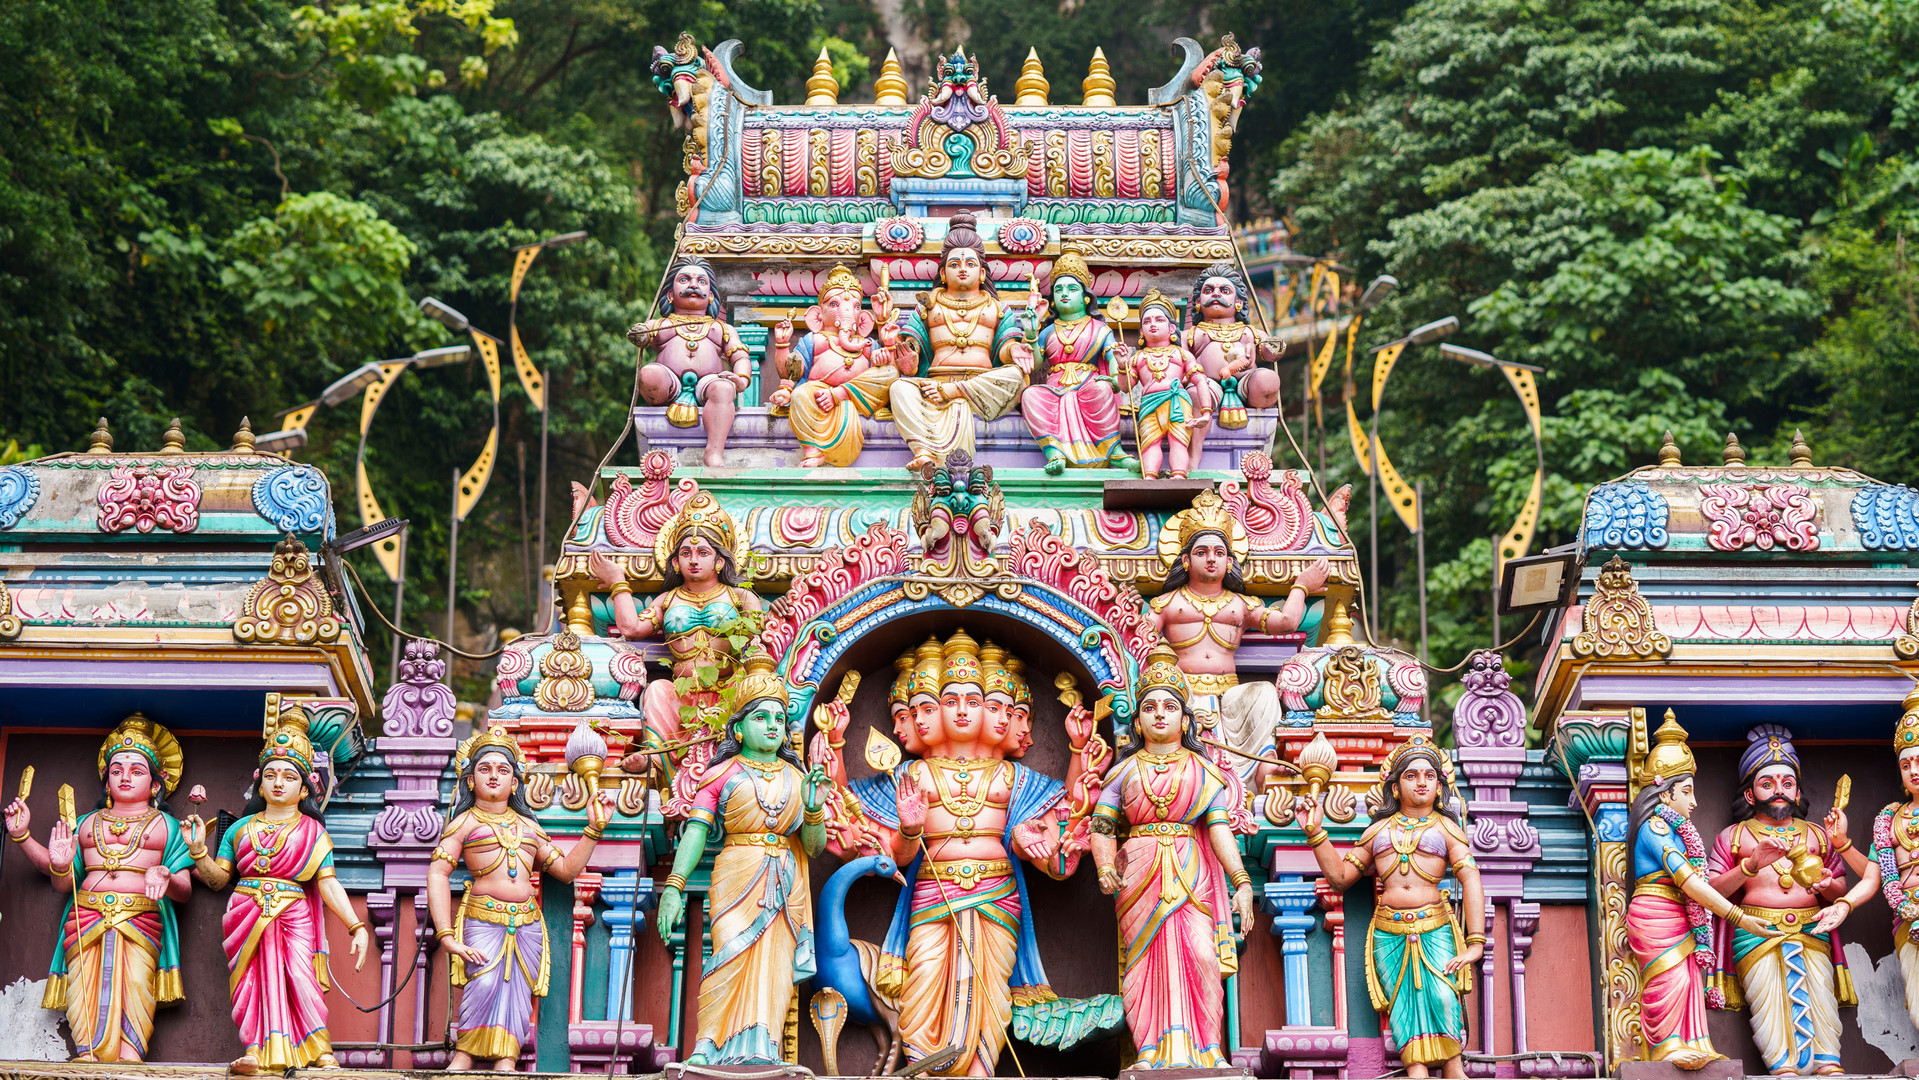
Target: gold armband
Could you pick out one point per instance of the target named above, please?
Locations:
(1241, 877)
(593, 832)
(200, 854)
(21, 839)
(441, 854)
(813, 817)
(552, 856)
(445, 932)
(1314, 839)
(1357, 858)
(357, 926)
(621, 588)
(676, 881)
(1466, 860)
(1843, 848)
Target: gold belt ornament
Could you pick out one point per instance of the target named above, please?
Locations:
(503, 912)
(1790, 919)
(759, 839)
(1161, 828)
(967, 873)
(1417, 920)
(113, 903)
(1206, 682)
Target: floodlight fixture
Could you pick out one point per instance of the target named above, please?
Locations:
(344, 387)
(1540, 582)
(432, 358)
(366, 534)
(450, 318)
(1437, 330)
(280, 442)
(1376, 293)
(1481, 359)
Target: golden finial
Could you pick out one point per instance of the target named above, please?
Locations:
(175, 440)
(243, 438)
(1801, 451)
(1098, 85)
(1735, 454)
(101, 441)
(1669, 451)
(1032, 86)
(822, 88)
(890, 88)
(1339, 623)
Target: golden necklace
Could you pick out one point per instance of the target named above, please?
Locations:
(705, 598)
(1226, 334)
(1909, 833)
(268, 839)
(506, 833)
(1405, 838)
(110, 858)
(691, 328)
(1788, 832)
(1069, 333)
(758, 771)
(962, 803)
(1161, 763)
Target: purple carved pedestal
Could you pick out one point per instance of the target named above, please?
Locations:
(416, 741)
(759, 440)
(1489, 727)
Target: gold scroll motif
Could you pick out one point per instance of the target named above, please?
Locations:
(1906, 646)
(9, 622)
(566, 676)
(770, 163)
(1056, 164)
(1149, 181)
(762, 244)
(819, 176)
(1618, 623)
(1351, 690)
(1622, 969)
(1104, 186)
(290, 606)
(866, 162)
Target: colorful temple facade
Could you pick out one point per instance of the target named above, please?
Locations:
(848, 707)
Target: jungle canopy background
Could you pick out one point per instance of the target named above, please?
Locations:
(1695, 214)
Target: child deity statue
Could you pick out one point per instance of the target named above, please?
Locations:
(125, 865)
(1167, 377)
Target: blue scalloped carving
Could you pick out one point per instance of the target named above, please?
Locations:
(295, 500)
(1887, 517)
(1626, 514)
(18, 489)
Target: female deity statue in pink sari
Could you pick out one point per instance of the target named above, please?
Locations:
(1075, 413)
(275, 933)
(1176, 876)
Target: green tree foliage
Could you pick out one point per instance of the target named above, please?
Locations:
(1690, 212)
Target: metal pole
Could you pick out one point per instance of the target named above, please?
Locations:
(1495, 592)
(1372, 513)
(526, 539)
(546, 380)
(1419, 535)
(399, 609)
(452, 557)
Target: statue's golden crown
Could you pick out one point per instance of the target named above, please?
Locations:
(150, 740)
(1669, 755)
(838, 278)
(1207, 514)
(288, 741)
(761, 681)
(1072, 265)
(1156, 299)
(495, 735)
(1161, 672)
(702, 514)
(1906, 735)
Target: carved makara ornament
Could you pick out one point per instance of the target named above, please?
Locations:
(1618, 622)
(1351, 690)
(290, 606)
(566, 676)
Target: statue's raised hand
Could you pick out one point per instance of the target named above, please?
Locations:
(782, 333)
(1080, 726)
(193, 829)
(18, 819)
(60, 844)
(604, 570)
(911, 802)
(813, 789)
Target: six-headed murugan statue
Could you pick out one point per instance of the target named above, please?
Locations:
(497, 937)
(962, 951)
(279, 859)
(1165, 850)
(1419, 960)
(769, 811)
(124, 866)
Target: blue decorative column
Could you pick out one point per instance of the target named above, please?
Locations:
(1299, 1050)
(628, 897)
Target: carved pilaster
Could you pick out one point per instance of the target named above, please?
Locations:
(1333, 903)
(1522, 921)
(1489, 725)
(1287, 901)
(628, 898)
(416, 740)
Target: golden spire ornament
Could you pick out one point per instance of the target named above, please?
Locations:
(1098, 86)
(890, 88)
(101, 441)
(822, 88)
(1032, 86)
(243, 438)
